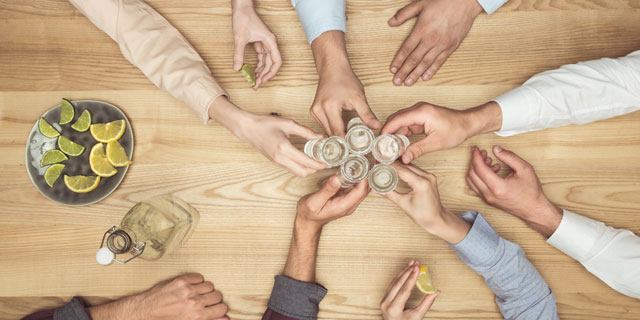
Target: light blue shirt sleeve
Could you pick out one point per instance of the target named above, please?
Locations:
(319, 16)
(491, 6)
(521, 292)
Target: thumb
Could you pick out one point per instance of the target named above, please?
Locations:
(320, 197)
(510, 159)
(302, 131)
(419, 148)
(426, 303)
(238, 54)
(409, 11)
(367, 116)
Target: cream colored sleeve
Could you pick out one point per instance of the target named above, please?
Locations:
(158, 49)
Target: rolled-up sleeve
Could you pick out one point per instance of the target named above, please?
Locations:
(521, 292)
(74, 310)
(319, 16)
(490, 6)
(293, 299)
(158, 49)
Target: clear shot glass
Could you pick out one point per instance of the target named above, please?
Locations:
(354, 170)
(359, 137)
(389, 147)
(332, 151)
(383, 178)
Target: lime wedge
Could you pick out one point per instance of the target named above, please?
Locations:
(247, 72)
(46, 129)
(84, 121)
(69, 147)
(67, 112)
(53, 173)
(52, 156)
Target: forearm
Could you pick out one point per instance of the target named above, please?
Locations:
(330, 53)
(448, 227)
(484, 118)
(230, 116)
(241, 4)
(301, 262)
(121, 309)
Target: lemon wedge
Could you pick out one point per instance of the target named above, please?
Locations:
(81, 184)
(99, 163)
(107, 132)
(424, 281)
(116, 154)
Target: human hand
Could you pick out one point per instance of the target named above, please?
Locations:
(395, 299)
(422, 204)
(338, 88)
(249, 28)
(270, 135)
(443, 128)
(329, 203)
(184, 297)
(518, 193)
(439, 30)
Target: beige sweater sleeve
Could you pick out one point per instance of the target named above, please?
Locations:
(158, 49)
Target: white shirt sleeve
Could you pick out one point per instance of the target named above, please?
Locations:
(319, 16)
(490, 6)
(574, 94)
(158, 49)
(613, 255)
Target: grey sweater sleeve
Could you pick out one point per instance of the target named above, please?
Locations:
(74, 310)
(296, 299)
(521, 292)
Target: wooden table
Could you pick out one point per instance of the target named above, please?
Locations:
(48, 51)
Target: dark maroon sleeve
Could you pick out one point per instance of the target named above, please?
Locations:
(40, 315)
(76, 309)
(272, 315)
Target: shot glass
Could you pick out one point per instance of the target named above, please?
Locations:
(332, 151)
(389, 147)
(383, 178)
(359, 137)
(354, 170)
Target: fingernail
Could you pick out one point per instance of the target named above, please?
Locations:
(394, 69)
(408, 82)
(393, 20)
(408, 158)
(334, 181)
(497, 149)
(410, 263)
(426, 77)
(397, 81)
(236, 66)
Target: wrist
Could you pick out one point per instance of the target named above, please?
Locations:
(448, 226)
(241, 5)
(330, 53)
(546, 218)
(230, 116)
(475, 8)
(306, 230)
(484, 118)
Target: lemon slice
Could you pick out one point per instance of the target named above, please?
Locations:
(84, 121)
(53, 173)
(247, 72)
(52, 156)
(46, 129)
(424, 281)
(67, 112)
(99, 163)
(116, 154)
(107, 132)
(69, 147)
(81, 184)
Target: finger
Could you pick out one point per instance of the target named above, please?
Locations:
(406, 269)
(407, 12)
(276, 59)
(212, 298)
(399, 283)
(204, 287)
(471, 185)
(427, 175)
(481, 188)
(367, 116)
(417, 72)
(238, 54)
(490, 178)
(404, 131)
(318, 199)
(440, 60)
(426, 303)
(511, 159)
(349, 201)
(409, 44)
(495, 168)
(419, 148)
(301, 131)
(336, 123)
(403, 118)
(398, 198)
(410, 63)
(405, 291)
(268, 63)
(321, 119)
(303, 159)
(192, 278)
(406, 175)
(294, 167)
(216, 311)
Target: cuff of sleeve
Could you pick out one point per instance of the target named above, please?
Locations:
(74, 310)
(479, 246)
(576, 235)
(516, 110)
(318, 17)
(199, 95)
(490, 6)
(296, 299)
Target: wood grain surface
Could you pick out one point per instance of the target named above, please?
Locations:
(48, 51)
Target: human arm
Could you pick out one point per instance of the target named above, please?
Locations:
(184, 297)
(249, 28)
(295, 294)
(613, 255)
(521, 292)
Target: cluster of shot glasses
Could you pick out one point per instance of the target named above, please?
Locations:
(350, 154)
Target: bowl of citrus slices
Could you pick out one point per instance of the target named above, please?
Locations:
(79, 151)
